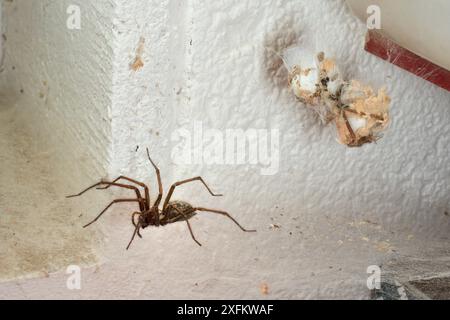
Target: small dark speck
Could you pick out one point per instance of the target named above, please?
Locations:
(446, 213)
(137, 149)
(22, 91)
(13, 67)
(190, 42)
(4, 37)
(325, 81)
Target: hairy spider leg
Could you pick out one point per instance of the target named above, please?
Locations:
(188, 224)
(136, 230)
(177, 184)
(347, 124)
(108, 206)
(141, 184)
(126, 186)
(224, 213)
(160, 186)
(135, 224)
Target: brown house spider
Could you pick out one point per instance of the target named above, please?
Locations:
(152, 215)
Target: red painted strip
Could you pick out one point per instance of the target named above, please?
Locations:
(388, 50)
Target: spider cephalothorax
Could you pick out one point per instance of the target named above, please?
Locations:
(153, 215)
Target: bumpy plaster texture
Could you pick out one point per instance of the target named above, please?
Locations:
(323, 215)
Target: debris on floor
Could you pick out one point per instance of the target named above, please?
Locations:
(406, 277)
(359, 113)
(274, 227)
(264, 288)
(436, 288)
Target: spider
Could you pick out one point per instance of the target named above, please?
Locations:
(152, 215)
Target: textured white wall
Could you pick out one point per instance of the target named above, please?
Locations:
(339, 210)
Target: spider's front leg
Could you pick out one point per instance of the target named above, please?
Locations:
(141, 201)
(177, 184)
(109, 206)
(143, 185)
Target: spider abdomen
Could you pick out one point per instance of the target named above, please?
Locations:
(177, 211)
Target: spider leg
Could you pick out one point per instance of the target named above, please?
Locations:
(136, 231)
(349, 127)
(177, 184)
(126, 186)
(143, 185)
(224, 213)
(104, 210)
(158, 176)
(135, 224)
(160, 186)
(189, 225)
(99, 184)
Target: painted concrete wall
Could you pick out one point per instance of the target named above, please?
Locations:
(67, 72)
(323, 215)
(1, 28)
(55, 129)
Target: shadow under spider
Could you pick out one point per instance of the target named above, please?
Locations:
(152, 215)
